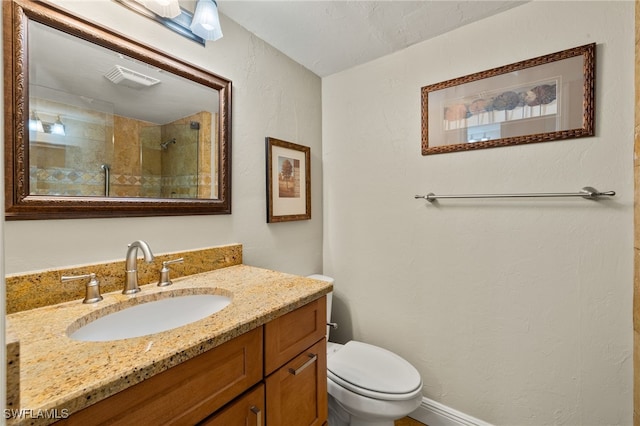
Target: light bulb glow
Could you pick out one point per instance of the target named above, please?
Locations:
(164, 8)
(57, 128)
(35, 124)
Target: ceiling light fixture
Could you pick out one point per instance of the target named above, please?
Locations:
(206, 22)
(164, 8)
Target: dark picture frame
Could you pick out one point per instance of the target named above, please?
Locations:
(547, 98)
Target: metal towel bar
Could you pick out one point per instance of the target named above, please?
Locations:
(587, 192)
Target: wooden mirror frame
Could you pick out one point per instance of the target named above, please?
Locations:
(19, 204)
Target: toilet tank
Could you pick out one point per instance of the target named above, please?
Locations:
(329, 296)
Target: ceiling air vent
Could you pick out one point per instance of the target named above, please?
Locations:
(126, 77)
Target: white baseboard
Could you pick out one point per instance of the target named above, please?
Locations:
(433, 413)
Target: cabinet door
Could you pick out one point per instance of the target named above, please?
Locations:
(247, 410)
(287, 336)
(297, 392)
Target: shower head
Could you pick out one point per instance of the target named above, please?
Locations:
(165, 145)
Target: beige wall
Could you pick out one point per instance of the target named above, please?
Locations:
(514, 312)
(272, 96)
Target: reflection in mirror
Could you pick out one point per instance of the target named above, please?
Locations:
(102, 114)
(108, 126)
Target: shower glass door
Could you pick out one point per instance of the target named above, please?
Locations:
(170, 160)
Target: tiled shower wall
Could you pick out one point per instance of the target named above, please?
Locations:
(67, 167)
(70, 164)
(177, 177)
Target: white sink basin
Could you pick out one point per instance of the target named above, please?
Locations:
(151, 317)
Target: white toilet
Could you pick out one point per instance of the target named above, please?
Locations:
(368, 385)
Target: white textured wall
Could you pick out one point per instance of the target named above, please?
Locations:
(515, 312)
(272, 96)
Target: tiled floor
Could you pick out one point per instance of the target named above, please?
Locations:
(408, 421)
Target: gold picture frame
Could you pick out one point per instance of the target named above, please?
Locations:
(288, 181)
(542, 99)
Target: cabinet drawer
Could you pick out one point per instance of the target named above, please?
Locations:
(297, 392)
(186, 393)
(287, 336)
(247, 410)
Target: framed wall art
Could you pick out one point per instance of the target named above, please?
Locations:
(542, 99)
(288, 181)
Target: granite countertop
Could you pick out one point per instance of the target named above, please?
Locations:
(60, 375)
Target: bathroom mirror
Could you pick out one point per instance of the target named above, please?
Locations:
(99, 125)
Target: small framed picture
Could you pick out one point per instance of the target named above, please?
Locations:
(288, 181)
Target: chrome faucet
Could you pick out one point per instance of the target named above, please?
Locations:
(131, 280)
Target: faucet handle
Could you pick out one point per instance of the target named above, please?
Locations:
(92, 294)
(164, 272)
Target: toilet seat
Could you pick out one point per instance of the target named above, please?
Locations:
(374, 372)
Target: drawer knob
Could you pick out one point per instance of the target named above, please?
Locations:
(312, 358)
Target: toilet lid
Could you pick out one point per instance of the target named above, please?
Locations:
(373, 371)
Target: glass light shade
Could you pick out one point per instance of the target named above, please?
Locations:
(35, 124)
(164, 8)
(57, 128)
(206, 22)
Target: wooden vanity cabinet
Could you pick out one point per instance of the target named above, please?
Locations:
(186, 393)
(274, 375)
(296, 367)
(247, 410)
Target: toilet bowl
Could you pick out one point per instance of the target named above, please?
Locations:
(368, 385)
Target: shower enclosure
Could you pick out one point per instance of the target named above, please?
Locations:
(100, 153)
(170, 160)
